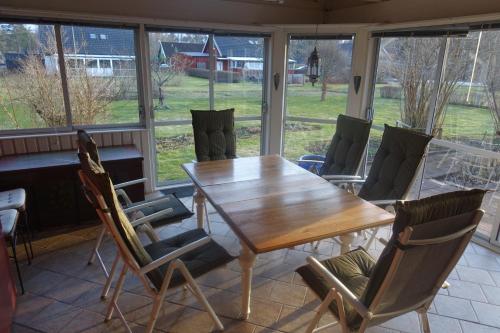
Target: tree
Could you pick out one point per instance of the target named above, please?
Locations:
(40, 91)
(413, 63)
(17, 38)
(334, 65)
(165, 69)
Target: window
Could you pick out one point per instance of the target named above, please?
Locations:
(30, 84)
(189, 83)
(103, 36)
(32, 91)
(311, 111)
(98, 93)
(446, 86)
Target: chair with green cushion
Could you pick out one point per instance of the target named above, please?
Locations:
(160, 211)
(346, 149)
(429, 237)
(214, 138)
(160, 265)
(394, 168)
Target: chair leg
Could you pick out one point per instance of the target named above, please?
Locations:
(109, 279)
(97, 245)
(14, 256)
(372, 238)
(199, 294)
(113, 304)
(28, 256)
(425, 322)
(29, 233)
(321, 311)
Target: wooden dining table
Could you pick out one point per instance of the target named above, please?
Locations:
(271, 204)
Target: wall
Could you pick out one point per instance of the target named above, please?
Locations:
(397, 11)
(218, 11)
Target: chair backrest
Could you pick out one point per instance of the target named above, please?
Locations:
(214, 137)
(347, 147)
(395, 164)
(86, 144)
(100, 191)
(429, 237)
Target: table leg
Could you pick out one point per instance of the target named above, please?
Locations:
(346, 241)
(247, 259)
(199, 199)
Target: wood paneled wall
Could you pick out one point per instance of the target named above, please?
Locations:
(14, 145)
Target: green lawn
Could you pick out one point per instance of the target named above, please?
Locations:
(175, 143)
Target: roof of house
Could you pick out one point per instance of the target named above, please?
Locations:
(92, 40)
(170, 48)
(231, 46)
(195, 54)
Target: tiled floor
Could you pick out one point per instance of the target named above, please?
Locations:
(63, 292)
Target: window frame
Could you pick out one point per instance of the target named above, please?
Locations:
(70, 127)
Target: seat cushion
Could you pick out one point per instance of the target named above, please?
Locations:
(198, 261)
(13, 199)
(347, 146)
(180, 212)
(214, 137)
(8, 218)
(353, 269)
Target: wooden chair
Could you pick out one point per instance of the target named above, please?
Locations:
(160, 265)
(429, 237)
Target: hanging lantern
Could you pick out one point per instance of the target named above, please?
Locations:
(313, 66)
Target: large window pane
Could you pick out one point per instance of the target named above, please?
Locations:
(467, 154)
(239, 79)
(179, 73)
(405, 78)
(30, 84)
(101, 71)
(321, 103)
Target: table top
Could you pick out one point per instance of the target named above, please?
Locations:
(271, 203)
(63, 158)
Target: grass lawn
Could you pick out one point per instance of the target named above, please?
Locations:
(175, 143)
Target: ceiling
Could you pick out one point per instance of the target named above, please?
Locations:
(319, 4)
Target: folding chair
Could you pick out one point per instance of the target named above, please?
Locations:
(160, 265)
(429, 237)
(156, 212)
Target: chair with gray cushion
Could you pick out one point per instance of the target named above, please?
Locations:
(160, 265)
(158, 212)
(429, 237)
(16, 199)
(393, 169)
(346, 149)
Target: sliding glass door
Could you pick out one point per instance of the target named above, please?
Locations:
(311, 110)
(194, 71)
(448, 86)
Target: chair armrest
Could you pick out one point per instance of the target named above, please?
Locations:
(174, 254)
(121, 193)
(152, 217)
(344, 178)
(311, 161)
(339, 287)
(130, 183)
(137, 206)
(348, 181)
